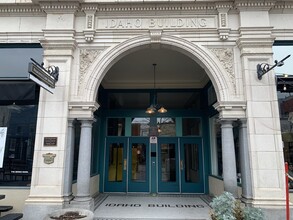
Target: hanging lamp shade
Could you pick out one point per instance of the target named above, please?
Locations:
(154, 107)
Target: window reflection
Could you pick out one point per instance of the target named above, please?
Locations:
(191, 163)
(166, 126)
(115, 173)
(286, 118)
(140, 127)
(138, 162)
(116, 127)
(20, 121)
(168, 163)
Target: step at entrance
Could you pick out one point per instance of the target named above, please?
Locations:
(146, 207)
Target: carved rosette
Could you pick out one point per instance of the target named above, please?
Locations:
(225, 56)
(87, 57)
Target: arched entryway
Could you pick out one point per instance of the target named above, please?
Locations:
(157, 152)
(154, 162)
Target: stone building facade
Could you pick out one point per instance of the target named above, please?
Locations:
(86, 38)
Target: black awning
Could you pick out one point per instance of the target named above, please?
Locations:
(17, 90)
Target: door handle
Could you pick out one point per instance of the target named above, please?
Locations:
(125, 164)
(181, 165)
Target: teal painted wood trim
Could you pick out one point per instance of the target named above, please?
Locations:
(179, 126)
(128, 121)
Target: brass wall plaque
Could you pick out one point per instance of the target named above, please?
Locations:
(50, 141)
(49, 158)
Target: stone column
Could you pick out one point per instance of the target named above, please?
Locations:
(68, 164)
(83, 198)
(244, 162)
(228, 156)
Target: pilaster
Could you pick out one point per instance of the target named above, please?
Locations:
(263, 124)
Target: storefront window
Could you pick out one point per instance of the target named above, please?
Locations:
(286, 119)
(20, 121)
(18, 113)
(284, 81)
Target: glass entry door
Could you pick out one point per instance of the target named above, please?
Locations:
(115, 165)
(180, 165)
(191, 165)
(138, 159)
(126, 165)
(168, 167)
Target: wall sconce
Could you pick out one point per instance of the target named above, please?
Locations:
(263, 68)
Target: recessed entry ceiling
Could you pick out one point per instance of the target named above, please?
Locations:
(173, 70)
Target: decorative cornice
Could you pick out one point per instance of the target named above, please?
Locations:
(60, 7)
(74, 5)
(149, 7)
(283, 5)
(254, 4)
(20, 9)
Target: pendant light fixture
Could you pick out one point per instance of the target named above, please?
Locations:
(155, 107)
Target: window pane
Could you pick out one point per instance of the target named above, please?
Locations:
(116, 127)
(140, 127)
(20, 121)
(138, 159)
(168, 163)
(166, 126)
(115, 163)
(191, 163)
(191, 126)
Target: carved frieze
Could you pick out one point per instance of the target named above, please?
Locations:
(87, 57)
(225, 56)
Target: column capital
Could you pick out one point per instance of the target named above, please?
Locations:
(227, 123)
(86, 122)
(231, 110)
(82, 110)
(71, 122)
(243, 122)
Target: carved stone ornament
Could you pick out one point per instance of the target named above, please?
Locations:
(223, 30)
(87, 57)
(89, 35)
(156, 36)
(49, 158)
(225, 56)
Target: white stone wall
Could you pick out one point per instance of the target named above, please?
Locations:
(84, 39)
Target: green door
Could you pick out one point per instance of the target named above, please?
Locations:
(168, 168)
(138, 164)
(191, 165)
(115, 165)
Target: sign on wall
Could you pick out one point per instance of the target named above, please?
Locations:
(3, 134)
(198, 22)
(44, 78)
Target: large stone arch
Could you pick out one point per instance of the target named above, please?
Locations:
(222, 83)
